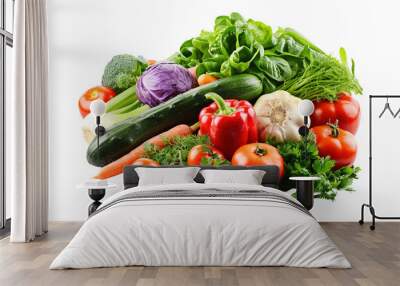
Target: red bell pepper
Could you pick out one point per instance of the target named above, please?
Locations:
(229, 123)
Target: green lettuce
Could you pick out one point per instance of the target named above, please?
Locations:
(279, 58)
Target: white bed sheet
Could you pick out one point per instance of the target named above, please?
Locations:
(200, 232)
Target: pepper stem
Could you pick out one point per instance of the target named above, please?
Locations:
(335, 128)
(223, 108)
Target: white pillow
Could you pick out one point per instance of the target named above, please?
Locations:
(248, 177)
(166, 176)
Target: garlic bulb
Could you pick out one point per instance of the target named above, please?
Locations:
(278, 117)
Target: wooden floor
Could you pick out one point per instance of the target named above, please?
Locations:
(375, 257)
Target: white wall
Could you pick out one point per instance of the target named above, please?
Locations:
(85, 34)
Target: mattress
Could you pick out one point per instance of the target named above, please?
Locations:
(201, 225)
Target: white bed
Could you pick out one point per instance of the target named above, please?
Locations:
(226, 225)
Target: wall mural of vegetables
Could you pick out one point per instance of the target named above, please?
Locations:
(230, 96)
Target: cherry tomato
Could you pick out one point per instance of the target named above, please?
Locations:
(146, 162)
(345, 109)
(209, 153)
(258, 154)
(340, 145)
(92, 94)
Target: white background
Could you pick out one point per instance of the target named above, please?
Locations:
(85, 34)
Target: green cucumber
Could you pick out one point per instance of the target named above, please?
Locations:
(182, 109)
(121, 100)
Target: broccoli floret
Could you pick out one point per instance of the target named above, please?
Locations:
(122, 72)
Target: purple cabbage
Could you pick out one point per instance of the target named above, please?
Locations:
(163, 81)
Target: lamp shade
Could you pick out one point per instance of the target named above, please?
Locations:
(97, 107)
(306, 107)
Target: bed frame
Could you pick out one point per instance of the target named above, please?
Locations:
(271, 177)
(304, 188)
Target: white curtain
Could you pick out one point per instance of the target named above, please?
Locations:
(28, 123)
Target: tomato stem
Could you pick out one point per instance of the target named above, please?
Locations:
(335, 128)
(260, 151)
(206, 149)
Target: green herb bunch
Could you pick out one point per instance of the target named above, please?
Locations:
(323, 78)
(175, 151)
(302, 159)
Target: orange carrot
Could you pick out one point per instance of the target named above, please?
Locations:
(116, 167)
(151, 62)
(206, 78)
(146, 162)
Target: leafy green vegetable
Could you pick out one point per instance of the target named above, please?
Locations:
(175, 151)
(302, 159)
(323, 79)
(122, 72)
(297, 37)
(262, 33)
(275, 68)
(282, 60)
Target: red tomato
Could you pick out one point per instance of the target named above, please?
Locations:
(92, 94)
(345, 109)
(340, 145)
(146, 162)
(198, 152)
(258, 154)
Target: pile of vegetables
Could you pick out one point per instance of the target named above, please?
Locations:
(181, 109)
(230, 97)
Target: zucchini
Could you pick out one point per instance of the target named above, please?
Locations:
(181, 109)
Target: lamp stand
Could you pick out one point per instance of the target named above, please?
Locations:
(96, 195)
(305, 185)
(99, 131)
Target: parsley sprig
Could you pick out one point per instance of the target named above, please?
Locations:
(176, 151)
(302, 159)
